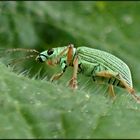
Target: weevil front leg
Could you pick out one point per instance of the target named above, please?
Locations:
(58, 75)
(69, 50)
(64, 63)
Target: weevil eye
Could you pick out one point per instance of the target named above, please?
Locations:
(50, 51)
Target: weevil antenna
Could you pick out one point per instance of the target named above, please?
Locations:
(22, 50)
(14, 61)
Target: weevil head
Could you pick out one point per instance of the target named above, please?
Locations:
(46, 55)
(51, 56)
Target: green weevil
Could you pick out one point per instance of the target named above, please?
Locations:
(102, 66)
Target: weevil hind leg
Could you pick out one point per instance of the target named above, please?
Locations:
(109, 74)
(137, 98)
(129, 89)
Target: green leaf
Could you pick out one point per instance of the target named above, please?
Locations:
(31, 107)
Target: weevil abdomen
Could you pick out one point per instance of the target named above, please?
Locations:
(111, 81)
(97, 60)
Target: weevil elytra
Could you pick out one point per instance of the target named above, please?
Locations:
(102, 66)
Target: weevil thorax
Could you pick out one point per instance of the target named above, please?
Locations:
(50, 56)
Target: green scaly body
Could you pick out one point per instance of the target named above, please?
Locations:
(90, 62)
(97, 60)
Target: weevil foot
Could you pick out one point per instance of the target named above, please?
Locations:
(136, 98)
(56, 76)
(112, 93)
(52, 78)
(73, 83)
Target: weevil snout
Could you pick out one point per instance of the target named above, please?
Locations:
(41, 58)
(45, 55)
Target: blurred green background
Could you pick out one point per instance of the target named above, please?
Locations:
(109, 26)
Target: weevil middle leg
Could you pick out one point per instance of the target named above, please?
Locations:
(73, 81)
